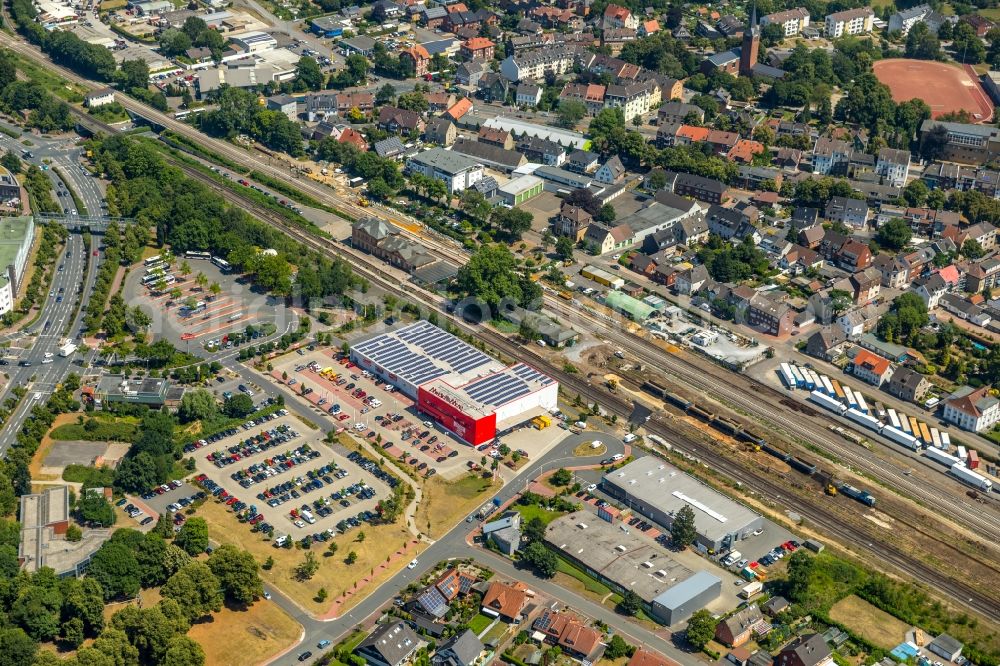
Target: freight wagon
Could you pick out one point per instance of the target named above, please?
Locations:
(677, 401)
(777, 453)
(654, 389)
(695, 410)
(806, 468)
(726, 426)
(747, 436)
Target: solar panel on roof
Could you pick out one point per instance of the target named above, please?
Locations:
(544, 621)
(497, 389)
(464, 584)
(433, 602)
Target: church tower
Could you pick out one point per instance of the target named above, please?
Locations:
(751, 45)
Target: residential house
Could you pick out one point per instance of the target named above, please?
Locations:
(610, 172)
(433, 17)
(646, 657)
(855, 323)
(490, 155)
(439, 101)
(285, 104)
(744, 150)
(965, 309)
(849, 22)
(831, 156)
(930, 289)
(809, 650)
(770, 316)
(581, 161)
(457, 110)
(397, 121)
(691, 231)
(852, 212)
(462, 650)
(616, 16)
(495, 136)
(441, 131)
(469, 73)
(907, 384)
(477, 48)
(98, 98)
(979, 23)
(385, 10)
(871, 368)
(391, 644)
(606, 239)
(983, 275)
(730, 223)
(775, 606)
(648, 27)
(828, 343)
(615, 39)
(570, 633)
(689, 281)
(799, 259)
(972, 409)
(591, 94)
(528, 94)
(458, 171)
(542, 151)
(679, 113)
(697, 187)
(866, 285)
(634, 99)
(894, 272)
(730, 26)
(893, 165)
(788, 158)
(853, 256)
(812, 237)
(420, 58)
(739, 628)
(504, 600)
(983, 233)
(905, 19)
(391, 147)
(572, 221)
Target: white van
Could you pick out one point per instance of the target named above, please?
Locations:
(730, 559)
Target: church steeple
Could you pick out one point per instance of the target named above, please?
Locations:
(751, 44)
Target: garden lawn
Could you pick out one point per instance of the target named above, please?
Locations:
(445, 503)
(479, 623)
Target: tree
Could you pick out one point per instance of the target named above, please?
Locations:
(184, 651)
(475, 205)
(800, 569)
(491, 274)
(94, 509)
(607, 214)
(915, 194)
(193, 537)
(308, 75)
(922, 44)
(967, 45)
(895, 233)
(196, 590)
(72, 632)
(562, 477)
(534, 530)
(36, 610)
(570, 113)
(840, 300)
(238, 406)
(682, 529)
(351, 558)
(700, 628)
(618, 648)
(214, 289)
(238, 574)
(971, 249)
(385, 95)
(630, 604)
(17, 648)
(564, 248)
(115, 567)
(11, 162)
(934, 142)
(541, 558)
(197, 405)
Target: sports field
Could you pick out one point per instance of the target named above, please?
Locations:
(945, 88)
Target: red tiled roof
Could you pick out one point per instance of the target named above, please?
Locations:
(871, 362)
(477, 43)
(693, 133)
(949, 274)
(745, 149)
(506, 600)
(644, 657)
(460, 108)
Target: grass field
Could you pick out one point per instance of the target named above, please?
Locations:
(334, 573)
(534, 511)
(586, 449)
(872, 623)
(445, 503)
(261, 631)
(479, 623)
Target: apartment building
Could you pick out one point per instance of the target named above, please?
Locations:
(458, 171)
(967, 143)
(893, 165)
(534, 65)
(850, 22)
(793, 21)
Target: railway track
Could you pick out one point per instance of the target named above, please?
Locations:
(768, 487)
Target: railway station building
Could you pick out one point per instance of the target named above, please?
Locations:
(467, 391)
(657, 490)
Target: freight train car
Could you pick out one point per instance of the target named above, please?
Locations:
(697, 411)
(726, 426)
(677, 401)
(654, 389)
(777, 453)
(801, 465)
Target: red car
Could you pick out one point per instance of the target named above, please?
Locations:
(343, 417)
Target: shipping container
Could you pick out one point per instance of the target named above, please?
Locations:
(939, 456)
(900, 437)
(863, 419)
(893, 419)
(826, 402)
(946, 440)
(966, 475)
(936, 438)
(827, 386)
(838, 390)
(787, 377)
(862, 405)
(972, 462)
(962, 453)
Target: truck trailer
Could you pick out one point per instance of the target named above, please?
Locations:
(900, 437)
(969, 477)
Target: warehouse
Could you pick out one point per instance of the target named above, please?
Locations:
(466, 391)
(625, 560)
(656, 490)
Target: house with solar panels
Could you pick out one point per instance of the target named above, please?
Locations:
(468, 392)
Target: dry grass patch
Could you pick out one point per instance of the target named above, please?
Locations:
(444, 503)
(334, 574)
(261, 631)
(868, 621)
(587, 449)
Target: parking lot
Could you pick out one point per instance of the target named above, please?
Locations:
(192, 311)
(277, 477)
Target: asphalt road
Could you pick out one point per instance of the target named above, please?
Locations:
(454, 545)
